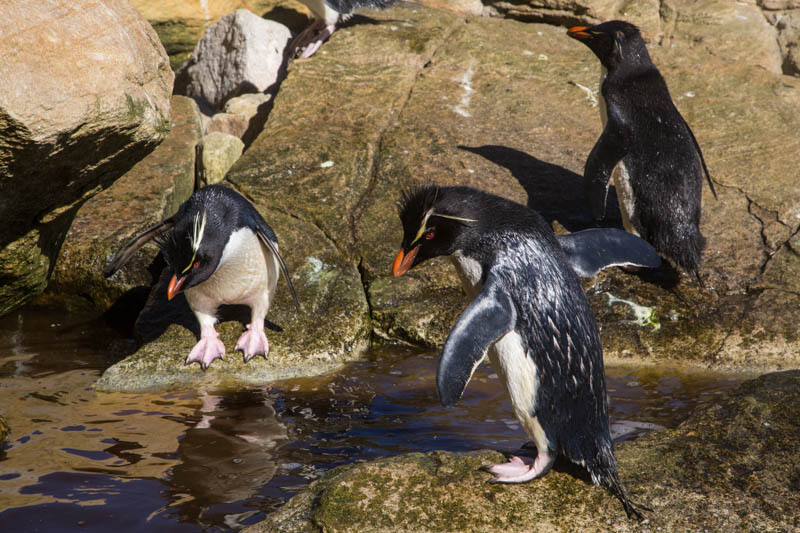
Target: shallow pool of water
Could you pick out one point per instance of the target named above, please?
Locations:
(82, 460)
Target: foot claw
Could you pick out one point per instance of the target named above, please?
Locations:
(208, 348)
(253, 342)
(520, 469)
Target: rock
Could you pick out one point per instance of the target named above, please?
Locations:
(150, 192)
(220, 152)
(181, 23)
(229, 123)
(247, 105)
(85, 96)
(730, 467)
(788, 25)
(240, 53)
(561, 12)
(5, 431)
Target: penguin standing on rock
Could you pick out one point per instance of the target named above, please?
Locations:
(530, 315)
(220, 251)
(661, 166)
(326, 14)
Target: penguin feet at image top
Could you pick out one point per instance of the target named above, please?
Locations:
(220, 251)
(661, 167)
(326, 14)
(529, 315)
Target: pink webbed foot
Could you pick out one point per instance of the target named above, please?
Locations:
(207, 349)
(253, 341)
(310, 39)
(521, 469)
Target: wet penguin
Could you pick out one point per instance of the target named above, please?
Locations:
(326, 14)
(530, 315)
(661, 166)
(220, 251)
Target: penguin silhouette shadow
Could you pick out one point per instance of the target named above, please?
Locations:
(553, 191)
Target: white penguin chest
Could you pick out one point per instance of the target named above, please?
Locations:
(247, 274)
(507, 355)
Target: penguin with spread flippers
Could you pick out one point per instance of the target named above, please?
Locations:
(326, 14)
(661, 166)
(530, 315)
(220, 251)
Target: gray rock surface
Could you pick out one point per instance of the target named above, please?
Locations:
(732, 466)
(240, 53)
(85, 95)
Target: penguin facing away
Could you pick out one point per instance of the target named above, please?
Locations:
(660, 164)
(530, 315)
(326, 14)
(220, 251)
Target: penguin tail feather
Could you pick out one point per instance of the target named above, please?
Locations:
(631, 508)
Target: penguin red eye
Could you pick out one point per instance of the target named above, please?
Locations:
(429, 235)
(196, 264)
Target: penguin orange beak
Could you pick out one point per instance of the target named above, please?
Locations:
(403, 261)
(175, 285)
(578, 32)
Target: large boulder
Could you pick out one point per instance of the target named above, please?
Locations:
(150, 192)
(732, 466)
(85, 95)
(181, 23)
(240, 53)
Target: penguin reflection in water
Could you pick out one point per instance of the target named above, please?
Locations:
(220, 251)
(530, 315)
(661, 166)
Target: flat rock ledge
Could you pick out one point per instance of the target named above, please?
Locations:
(732, 466)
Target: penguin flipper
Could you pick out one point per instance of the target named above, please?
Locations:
(134, 244)
(590, 251)
(607, 152)
(490, 316)
(274, 249)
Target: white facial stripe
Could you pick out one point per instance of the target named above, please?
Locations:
(424, 227)
(198, 230)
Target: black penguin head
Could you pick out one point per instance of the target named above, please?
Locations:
(615, 43)
(436, 221)
(192, 249)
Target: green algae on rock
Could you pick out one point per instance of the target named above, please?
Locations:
(730, 467)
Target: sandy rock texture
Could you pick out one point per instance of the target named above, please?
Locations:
(85, 95)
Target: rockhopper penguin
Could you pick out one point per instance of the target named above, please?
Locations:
(326, 14)
(530, 315)
(661, 166)
(220, 251)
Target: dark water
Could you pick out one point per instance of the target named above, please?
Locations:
(87, 461)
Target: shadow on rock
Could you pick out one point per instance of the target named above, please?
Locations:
(553, 191)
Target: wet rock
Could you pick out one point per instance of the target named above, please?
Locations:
(240, 53)
(220, 152)
(85, 96)
(228, 123)
(731, 466)
(150, 192)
